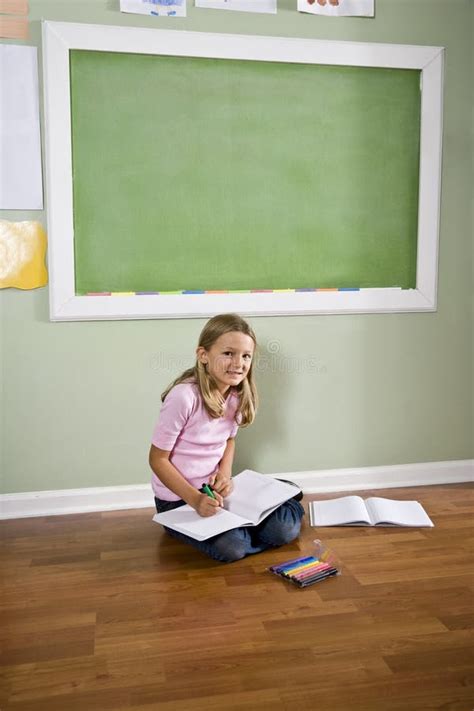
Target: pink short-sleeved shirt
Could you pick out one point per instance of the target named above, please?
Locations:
(196, 440)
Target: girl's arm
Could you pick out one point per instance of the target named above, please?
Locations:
(173, 480)
(222, 481)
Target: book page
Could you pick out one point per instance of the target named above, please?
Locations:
(186, 520)
(335, 8)
(348, 510)
(242, 5)
(21, 182)
(256, 495)
(168, 8)
(397, 513)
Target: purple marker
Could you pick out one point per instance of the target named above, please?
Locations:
(317, 577)
(292, 564)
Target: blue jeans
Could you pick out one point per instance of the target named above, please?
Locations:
(282, 526)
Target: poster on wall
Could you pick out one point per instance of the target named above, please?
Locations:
(14, 27)
(22, 255)
(335, 8)
(268, 6)
(14, 19)
(21, 184)
(160, 8)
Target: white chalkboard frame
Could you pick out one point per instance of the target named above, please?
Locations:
(59, 38)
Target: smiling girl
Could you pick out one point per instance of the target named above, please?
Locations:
(193, 440)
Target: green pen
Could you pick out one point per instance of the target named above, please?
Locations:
(208, 491)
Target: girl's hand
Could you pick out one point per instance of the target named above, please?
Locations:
(222, 483)
(206, 506)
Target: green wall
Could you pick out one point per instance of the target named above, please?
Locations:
(80, 399)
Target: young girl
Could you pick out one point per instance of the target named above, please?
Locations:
(193, 440)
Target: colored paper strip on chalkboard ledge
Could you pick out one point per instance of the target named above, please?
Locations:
(220, 291)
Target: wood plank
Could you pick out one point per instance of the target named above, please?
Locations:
(105, 611)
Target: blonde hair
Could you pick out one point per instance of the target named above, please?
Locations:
(212, 398)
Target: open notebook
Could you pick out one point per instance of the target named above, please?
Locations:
(375, 511)
(254, 498)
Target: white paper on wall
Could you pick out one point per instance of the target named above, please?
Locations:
(269, 6)
(21, 185)
(357, 8)
(168, 8)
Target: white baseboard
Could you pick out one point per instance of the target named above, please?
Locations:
(109, 498)
(383, 477)
(73, 501)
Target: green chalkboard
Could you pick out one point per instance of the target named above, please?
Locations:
(195, 173)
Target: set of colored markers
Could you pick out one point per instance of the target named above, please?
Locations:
(304, 571)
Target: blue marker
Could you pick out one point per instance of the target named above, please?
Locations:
(292, 564)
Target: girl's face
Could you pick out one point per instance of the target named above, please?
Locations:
(228, 359)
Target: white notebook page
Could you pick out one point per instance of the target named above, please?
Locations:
(200, 527)
(348, 509)
(254, 493)
(401, 513)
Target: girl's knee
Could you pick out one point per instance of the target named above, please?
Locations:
(284, 525)
(228, 549)
(286, 532)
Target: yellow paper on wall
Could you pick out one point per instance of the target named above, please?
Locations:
(22, 255)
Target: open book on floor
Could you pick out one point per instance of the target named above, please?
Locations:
(254, 498)
(375, 511)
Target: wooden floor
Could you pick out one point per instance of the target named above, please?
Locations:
(104, 611)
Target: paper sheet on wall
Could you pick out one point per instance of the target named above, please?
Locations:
(357, 8)
(14, 7)
(22, 255)
(14, 27)
(168, 8)
(269, 6)
(20, 147)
